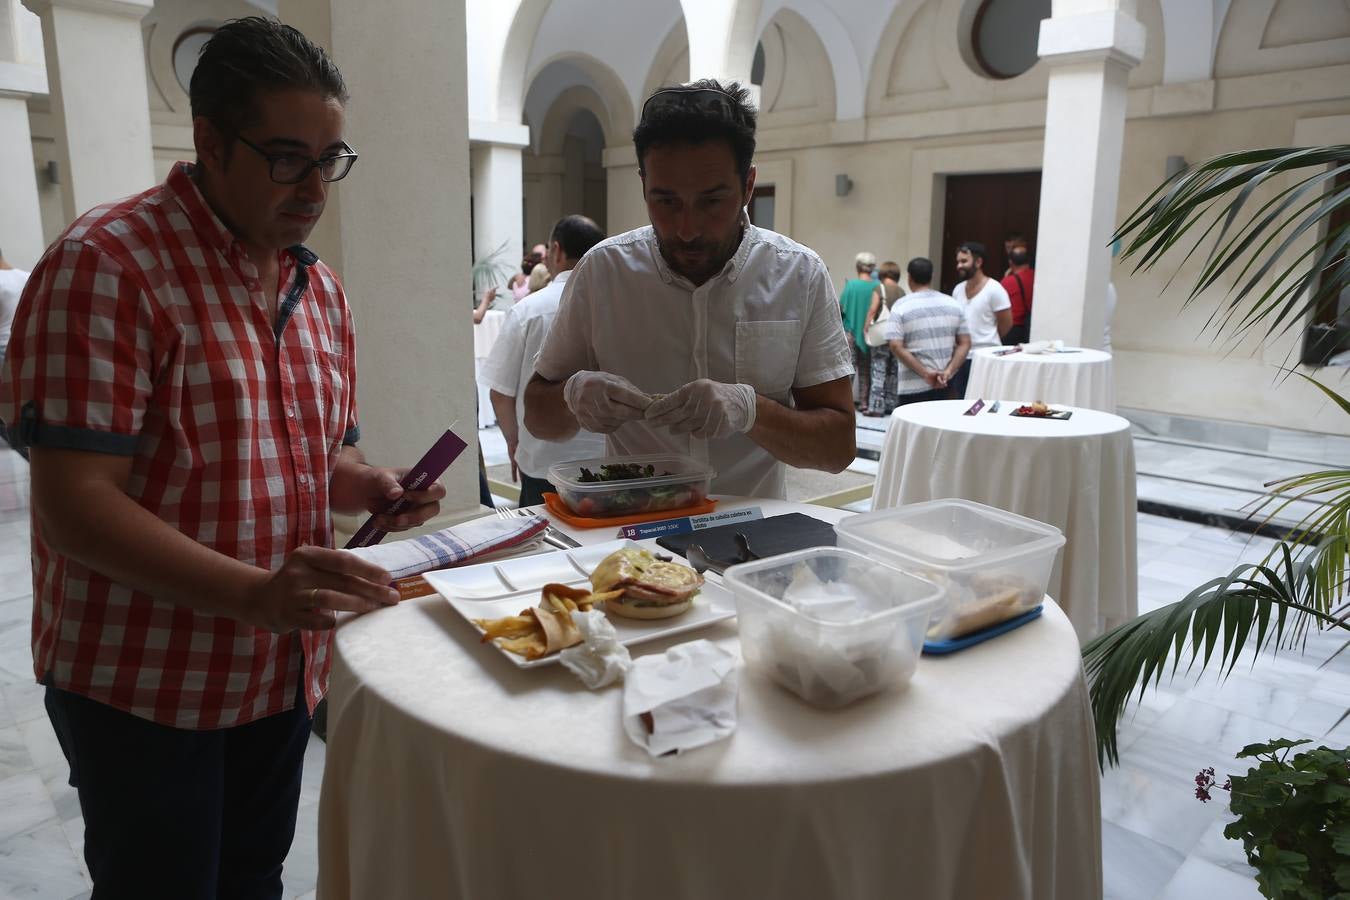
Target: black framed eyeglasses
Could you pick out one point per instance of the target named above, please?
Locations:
(683, 96)
(293, 168)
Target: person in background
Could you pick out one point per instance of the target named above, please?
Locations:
(1013, 239)
(700, 334)
(182, 375)
(539, 253)
(1020, 286)
(988, 309)
(539, 278)
(511, 364)
(854, 302)
(12, 281)
(928, 335)
(881, 392)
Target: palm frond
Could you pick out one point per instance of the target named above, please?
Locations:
(1276, 281)
(1219, 615)
(493, 270)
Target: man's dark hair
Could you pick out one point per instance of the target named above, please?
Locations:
(576, 235)
(246, 57)
(1019, 256)
(889, 270)
(921, 270)
(974, 248)
(705, 110)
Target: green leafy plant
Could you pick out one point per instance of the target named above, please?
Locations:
(1264, 217)
(1293, 818)
(493, 270)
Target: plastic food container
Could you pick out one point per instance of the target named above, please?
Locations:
(831, 625)
(677, 482)
(993, 564)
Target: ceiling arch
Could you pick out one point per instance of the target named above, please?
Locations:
(552, 132)
(844, 57)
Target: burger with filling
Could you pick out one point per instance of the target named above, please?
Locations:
(638, 585)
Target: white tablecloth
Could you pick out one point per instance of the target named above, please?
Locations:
(450, 773)
(1084, 378)
(1077, 475)
(484, 337)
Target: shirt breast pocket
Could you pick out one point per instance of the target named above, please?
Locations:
(328, 374)
(766, 355)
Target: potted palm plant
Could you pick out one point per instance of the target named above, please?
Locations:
(1269, 229)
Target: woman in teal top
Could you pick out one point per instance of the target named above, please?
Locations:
(855, 301)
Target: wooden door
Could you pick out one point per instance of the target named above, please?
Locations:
(987, 208)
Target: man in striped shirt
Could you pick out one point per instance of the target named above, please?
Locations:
(183, 376)
(927, 332)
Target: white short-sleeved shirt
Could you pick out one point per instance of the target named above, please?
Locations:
(769, 319)
(511, 364)
(980, 311)
(11, 286)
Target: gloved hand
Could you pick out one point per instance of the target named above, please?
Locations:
(602, 402)
(706, 409)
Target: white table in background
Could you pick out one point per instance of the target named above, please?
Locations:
(1077, 475)
(450, 773)
(485, 335)
(1082, 378)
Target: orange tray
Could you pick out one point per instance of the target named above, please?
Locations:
(556, 508)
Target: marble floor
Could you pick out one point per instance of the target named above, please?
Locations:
(1159, 843)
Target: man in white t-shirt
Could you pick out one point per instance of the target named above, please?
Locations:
(511, 363)
(988, 309)
(12, 281)
(701, 334)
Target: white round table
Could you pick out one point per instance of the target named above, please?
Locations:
(485, 335)
(450, 773)
(1080, 378)
(1077, 475)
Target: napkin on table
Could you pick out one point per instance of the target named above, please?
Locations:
(600, 660)
(452, 546)
(687, 696)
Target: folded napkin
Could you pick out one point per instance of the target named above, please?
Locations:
(682, 699)
(1043, 347)
(600, 660)
(452, 546)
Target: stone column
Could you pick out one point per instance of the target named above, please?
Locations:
(498, 193)
(99, 99)
(722, 39)
(20, 77)
(403, 226)
(1090, 46)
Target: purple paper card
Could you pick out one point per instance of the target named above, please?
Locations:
(430, 467)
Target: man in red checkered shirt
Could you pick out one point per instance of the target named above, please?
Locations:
(182, 375)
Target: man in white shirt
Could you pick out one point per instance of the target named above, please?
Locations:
(12, 281)
(701, 334)
(511, 363)
(988, 309)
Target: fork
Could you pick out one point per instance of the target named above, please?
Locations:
(552, 536)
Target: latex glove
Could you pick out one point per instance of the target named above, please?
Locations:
(706, 409)
(602, 402)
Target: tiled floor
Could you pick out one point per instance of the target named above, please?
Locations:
(1158, 841)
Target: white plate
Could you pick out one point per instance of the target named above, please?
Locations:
(487, 591)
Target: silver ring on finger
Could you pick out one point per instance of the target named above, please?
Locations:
(314, 597)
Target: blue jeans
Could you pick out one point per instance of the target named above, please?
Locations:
(177, 814)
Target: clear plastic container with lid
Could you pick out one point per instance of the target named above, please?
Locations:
(831, 625)
(993, 564)
(675, 482)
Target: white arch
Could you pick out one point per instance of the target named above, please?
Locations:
(598, 78)
(722, 36)
(1190, 39)
(849, 91)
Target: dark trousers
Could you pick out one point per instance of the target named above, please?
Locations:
(177, 814)
(1018, 334)
(532, 490)
(957, 386)
(921, 396)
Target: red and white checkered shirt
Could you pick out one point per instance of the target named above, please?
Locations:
(144, 331)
